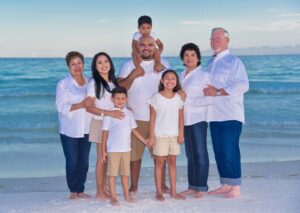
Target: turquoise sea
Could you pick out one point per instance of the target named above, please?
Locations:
(29, 139)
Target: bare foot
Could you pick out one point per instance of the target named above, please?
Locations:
(188, 192)
(84, 195)
(102, 196)
(158, 67)
(165, 190)
(221, 190)
(159, 197)
(114, 202)
(73, 196)
(132, 190)
(178, 196)
(234, 192)
(199, 194)
(130, 199)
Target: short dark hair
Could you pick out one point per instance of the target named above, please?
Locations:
(191, 46)
(117, 90)
(73, 54)
(176, 88)
(144, 20)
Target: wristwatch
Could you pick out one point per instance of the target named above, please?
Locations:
(218, 93)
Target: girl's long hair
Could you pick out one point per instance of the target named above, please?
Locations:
(176, 88)
(100, 82)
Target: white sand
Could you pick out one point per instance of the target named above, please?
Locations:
(267, 187)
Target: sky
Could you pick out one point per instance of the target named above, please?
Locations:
(51, 28)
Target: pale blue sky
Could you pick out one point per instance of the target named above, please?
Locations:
(50, 28)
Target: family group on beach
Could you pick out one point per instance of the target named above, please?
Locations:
(149, 105)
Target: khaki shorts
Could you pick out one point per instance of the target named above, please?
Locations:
(137, 147)
(165, 146)
(118, 164)
(95, 134)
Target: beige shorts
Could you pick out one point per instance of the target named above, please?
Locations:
(165, 146)
(95, 134)
(118, 164)
(137, 147)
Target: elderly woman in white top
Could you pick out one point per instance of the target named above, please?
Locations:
(193, 80)
(100, 88)
(74, 122)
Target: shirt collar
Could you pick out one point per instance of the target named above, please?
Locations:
(223, 53)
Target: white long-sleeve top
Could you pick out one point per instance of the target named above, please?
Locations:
(74, 123)
(228, 72)
(196, 104)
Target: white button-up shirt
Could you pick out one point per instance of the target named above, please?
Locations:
(74, 123)
(196, 104)
(228, 72)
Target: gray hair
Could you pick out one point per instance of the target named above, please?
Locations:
(226, 34)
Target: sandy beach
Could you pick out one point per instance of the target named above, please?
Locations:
(267, 187)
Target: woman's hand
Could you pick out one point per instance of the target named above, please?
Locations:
(88, 102)
(116, 114)
(180, 138)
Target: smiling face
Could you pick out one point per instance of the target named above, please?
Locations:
(145, 29)
(76, 67)
(146, 47)
(190, 59)
(103, 65)
(119, 100)
(219, 41)
(169, 81)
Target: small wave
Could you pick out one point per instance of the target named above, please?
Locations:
(27, 94)
(275, 91)
(274, 123)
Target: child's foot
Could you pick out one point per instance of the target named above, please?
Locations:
(233, 193)
(102, 195)
(73, 196)
(114, 202)
(130, 199)
(199, 194)
(158, 67)
(178, 196)
(84, 195)
(159, 197)
(188, 192)
(165, 190)
(221, 190)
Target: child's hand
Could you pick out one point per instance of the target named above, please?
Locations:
(180, 139)
(104, 156)
(150, 143)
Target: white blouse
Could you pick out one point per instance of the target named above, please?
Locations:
(167, 114)
(104, 102)
(74, 123)
(196, 104)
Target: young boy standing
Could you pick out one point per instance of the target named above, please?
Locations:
(145, 28)
(116, 145)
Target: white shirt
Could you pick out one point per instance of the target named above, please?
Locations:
(74, 123)
(196, 104)
(138, 35)
(228, 72)
(142, 88)
(119, 139)
(167, 114)
(104, 102)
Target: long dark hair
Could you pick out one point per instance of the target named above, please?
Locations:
(176, 88)
(100, 82)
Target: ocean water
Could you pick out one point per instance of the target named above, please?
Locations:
(29, 139)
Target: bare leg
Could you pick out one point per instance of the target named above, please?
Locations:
(164, 187)
(172, 175)
(159, 164)
(112, 188)
(158, 66)
(221, 190)
(135, 167)
(102, 192)
(125, 184)
(234, 192)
